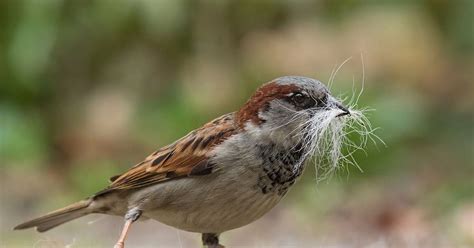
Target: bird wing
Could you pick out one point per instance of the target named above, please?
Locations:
(189, 156)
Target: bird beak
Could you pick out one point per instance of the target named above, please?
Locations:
(345, 111)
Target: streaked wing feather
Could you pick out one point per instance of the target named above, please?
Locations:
(186, 157)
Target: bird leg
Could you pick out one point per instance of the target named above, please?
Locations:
(211, 240)
(131, 216)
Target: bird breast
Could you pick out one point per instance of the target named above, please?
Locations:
(248, 180)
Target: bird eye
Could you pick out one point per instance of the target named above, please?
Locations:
(302, 101)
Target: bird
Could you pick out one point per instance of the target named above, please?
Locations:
(222, 176)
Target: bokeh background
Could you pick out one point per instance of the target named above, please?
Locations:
(89, 88)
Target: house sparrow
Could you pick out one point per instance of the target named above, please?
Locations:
(224, 175)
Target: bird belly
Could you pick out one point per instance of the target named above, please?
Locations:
(207, 204)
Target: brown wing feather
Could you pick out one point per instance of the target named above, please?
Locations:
(186, 157)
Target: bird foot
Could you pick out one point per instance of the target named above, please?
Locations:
(120, 245)
(211, 240)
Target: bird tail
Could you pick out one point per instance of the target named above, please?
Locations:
(58, 217)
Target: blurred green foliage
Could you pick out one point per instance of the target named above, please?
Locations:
(88, 88)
